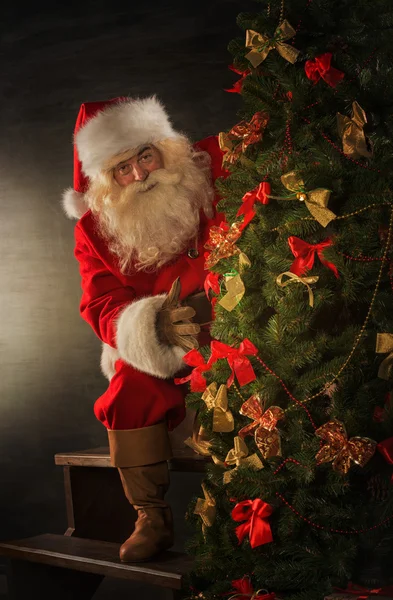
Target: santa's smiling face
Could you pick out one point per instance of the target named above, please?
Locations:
(147, 202)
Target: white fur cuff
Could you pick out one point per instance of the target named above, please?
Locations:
(137, 340)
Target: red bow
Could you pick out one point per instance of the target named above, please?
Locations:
(355, 590)
(245, 590)
(380, 411)
(304, 254)
(386, 449)
(320, 67)
(237, 86)
(196, 360)
(258, 194)
(237, 360)
(255, 513)
(212, 282)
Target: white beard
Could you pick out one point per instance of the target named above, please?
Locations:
(150, 227)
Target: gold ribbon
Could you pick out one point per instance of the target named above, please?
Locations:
(341, 450)
(206, 509)
(293, 278)
(316, 200)
(235, 292)
(201, 447)
(261, 44)
(218, 401)
(264, 426)
(232, 150)
(352, 134)
(239, 456)
(384, 346)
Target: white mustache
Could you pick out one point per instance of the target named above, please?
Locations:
(158, 176)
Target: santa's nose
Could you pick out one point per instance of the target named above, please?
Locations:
(140, 174)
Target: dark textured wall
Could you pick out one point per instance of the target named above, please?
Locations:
(56, 58)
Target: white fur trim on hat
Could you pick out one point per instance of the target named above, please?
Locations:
(121, 127)
(74, 204)
(137, 340)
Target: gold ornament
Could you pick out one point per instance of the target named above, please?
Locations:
(232, 151)
(206, 509)
(296, 279)
(222, 243)
(218, 402)
(385, 346)
(341, 450)
(261, 44)
(235, 292)
(316, 200)
(264, 426)
(239, 456)
(352, 134)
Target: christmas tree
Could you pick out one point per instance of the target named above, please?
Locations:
(293, 395)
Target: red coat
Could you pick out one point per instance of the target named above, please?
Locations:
(134, 398)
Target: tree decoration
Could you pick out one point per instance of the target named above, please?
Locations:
(315, 200)
(259, 194)
(218, 402)
(321, 67)
(385, 346)
(237, 86)
(244, 591)
(238, 456)
(264, 426)
(237, 360)
(341, 450)
(235, 292)
(212, 282)
(236, 141)
(206, 509)
(386, 449)
(197, 381)
(255, 513)
(222, 243)
(292, 278)
(304, 254)
(350, 130)
(261, 44)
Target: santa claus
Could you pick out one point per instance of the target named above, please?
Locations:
(145, 202)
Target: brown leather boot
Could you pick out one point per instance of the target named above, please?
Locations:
(145, 488)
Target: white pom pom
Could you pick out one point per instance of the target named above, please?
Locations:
(74, 204)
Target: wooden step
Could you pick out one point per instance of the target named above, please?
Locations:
(96, 557)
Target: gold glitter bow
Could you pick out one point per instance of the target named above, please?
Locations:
(218, 401)
(242, 135)
(222, 243)
(235, 292)
(233, 151)
(384, 346)
(342, 450)
(206, 509)
(264, 426)
(316, 200)
(293, 278)
(351, 131)
(261, 44)
(239, 456)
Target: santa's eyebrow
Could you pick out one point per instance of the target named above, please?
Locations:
(144, 150)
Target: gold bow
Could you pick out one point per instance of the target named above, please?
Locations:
(266, 434)
(316, 200)
(218, 401)
(352, 134)
(235, 292)
(293, 278)
(239, 456)
(261, 45)
(206, 509)
(385, 345)
(242, 135)
(342, 450)
(222, 243)
(232, 150)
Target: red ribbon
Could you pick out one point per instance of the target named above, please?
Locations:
(237, 360)
(380, 411)
(255, 513)
(237, 86)
(195, 359)
(354, 590)
(386, 449)
(212, 282)
(304, 254)
(244, 590)
(320, 67)
(258, 194)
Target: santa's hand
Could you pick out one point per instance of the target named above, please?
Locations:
(174, 323)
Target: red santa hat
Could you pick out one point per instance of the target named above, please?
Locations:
(105, 129)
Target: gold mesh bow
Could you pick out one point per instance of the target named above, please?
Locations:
(238, 456)
(242, 135)
(261, 44)
(206, 509)
(264, 426)
(222, 243)
(316, 200)
(385, 346)
(218, 401)
(341, 450)
(352, 134)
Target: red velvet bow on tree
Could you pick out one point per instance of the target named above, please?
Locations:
(363, 593)
(255, 513)
(197, 381)
(258, 194)
(237, 360)
(244, 591)
(321, 68)
(212, 282)
(386, 449)
(237, 86)
(304, 254)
